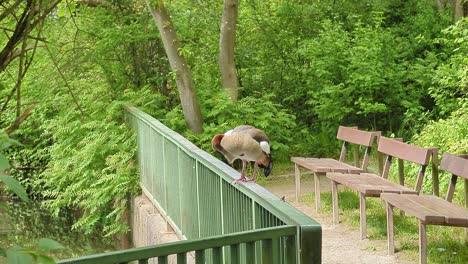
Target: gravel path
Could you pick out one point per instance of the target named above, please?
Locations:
(340, 243)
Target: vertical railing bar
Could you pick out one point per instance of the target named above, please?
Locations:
(221, 203)
(235, 220)
(267, 251)
(166, 208)
(298, 243)
(181, 221)
(153, 157)
(253, 215)
(290, 249)
(200, 256)
(143, 261)
(182, 258)
(250, 252)
(235, 254)
(198, 198)
(217, 256)
(276, 250)
(162, 260)
(221, 194)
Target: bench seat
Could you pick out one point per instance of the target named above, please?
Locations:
(323, 165)
(429, 209)
(369, 184)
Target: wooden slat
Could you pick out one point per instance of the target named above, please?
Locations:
(403, 203)
(355, 136)
(404, 151)
(369, 184)
(454, 215)
(431, 209)
(455, 165)
(325, 165)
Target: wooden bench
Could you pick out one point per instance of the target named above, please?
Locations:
(372, 185)
(320, 166)
(429, 209)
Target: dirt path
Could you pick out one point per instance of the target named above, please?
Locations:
(340, 243)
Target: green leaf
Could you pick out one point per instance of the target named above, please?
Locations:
(12, 184)
(61, 12)
(4, 164)
(45, 259)
(16, 257)
(46, 244)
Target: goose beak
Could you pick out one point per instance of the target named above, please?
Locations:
(267, 169)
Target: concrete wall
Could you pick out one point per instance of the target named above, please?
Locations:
(149, 227)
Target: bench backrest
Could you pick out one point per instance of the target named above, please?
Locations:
(358, 138)
(404, 151)
(455, 165)
(458, 167)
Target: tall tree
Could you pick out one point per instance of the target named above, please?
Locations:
(226, 49)
(460, 9)
(22, 23)
(185, 86)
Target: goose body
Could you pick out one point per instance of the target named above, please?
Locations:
(246, 143)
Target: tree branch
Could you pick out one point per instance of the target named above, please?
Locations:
(65, 80)
(19, 120)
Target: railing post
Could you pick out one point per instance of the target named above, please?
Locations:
(310, 244)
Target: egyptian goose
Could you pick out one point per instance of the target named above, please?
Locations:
(246, 143)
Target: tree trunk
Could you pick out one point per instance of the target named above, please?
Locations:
(188, 98)
(457, 10)
(226, 49)
(440, 5)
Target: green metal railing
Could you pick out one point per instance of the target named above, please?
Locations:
(193, 191)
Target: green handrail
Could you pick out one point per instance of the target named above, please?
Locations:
(193, 192)
(200, 246)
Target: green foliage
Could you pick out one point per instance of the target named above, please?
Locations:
(18, 254)
(92, 168)
(78, 154)
(222, 115)
(304, 67)
(447, 135)
(451, 76)
(11, 183)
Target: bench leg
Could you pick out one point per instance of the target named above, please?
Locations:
(297, 180)
(362, 211)
(335, 201)
(422, 243)
(390, 241)
(317, 191)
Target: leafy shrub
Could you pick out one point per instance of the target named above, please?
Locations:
(451, 76)
(447, 135)
(221, 115)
